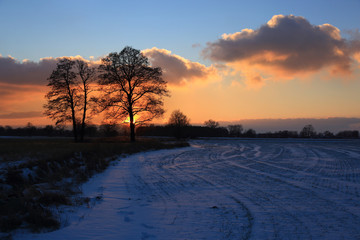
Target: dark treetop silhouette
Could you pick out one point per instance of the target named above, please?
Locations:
(211, 123)
(131, 88)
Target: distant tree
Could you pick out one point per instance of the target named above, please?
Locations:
(328, 134)
(132, 89)
(68, 99)
(178, 121)
(49, 130)
(211, 123)
(60, 130)
(308, 131)
(109, 130)
(250, 133)
(235, 130)
(30, 129)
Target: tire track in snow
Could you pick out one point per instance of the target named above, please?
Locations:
(317, 171)
(257, 190)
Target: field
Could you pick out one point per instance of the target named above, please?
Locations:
(224, 189)
(38, 176)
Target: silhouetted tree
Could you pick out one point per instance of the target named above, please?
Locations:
(68, 99)
(63, 96)
(131, 88)
(178, 121)
(308, 131)
(235, 130)
(211, 123)
(250, 133)
(328, 134)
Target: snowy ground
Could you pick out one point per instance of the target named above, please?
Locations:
(225, 189)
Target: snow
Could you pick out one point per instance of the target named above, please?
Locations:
(224, 189)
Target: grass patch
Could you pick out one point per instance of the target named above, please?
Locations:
(38, 174)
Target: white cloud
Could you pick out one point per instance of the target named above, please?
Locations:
(178, 70)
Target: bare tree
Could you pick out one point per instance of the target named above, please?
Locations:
(178, 119)
(211, 123)
(308, 131)
(235, 130)
(69, 94)
(131, 88)
(63, 98)
(179, 123)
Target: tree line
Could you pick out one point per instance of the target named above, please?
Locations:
(91, 130)
(178, 129)
(237, 131)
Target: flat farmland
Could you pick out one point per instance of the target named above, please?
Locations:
(225, 189)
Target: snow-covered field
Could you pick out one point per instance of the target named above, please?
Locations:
(225, 189)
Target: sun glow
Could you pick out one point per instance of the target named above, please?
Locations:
(127, 120)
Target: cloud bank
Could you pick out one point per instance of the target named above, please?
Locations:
(25, 72)
(28, 72)
(285, 47)
(178, 70)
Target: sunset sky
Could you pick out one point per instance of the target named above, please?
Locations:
(223, 60)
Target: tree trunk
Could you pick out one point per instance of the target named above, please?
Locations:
(132, 127)
(82, 131)
(74, 120)
(75, 130)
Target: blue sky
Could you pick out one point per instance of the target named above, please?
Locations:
(36, 29)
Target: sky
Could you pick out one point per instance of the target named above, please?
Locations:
(223, 60)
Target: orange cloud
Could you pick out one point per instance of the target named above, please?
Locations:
(178, 70)
(283, 48)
